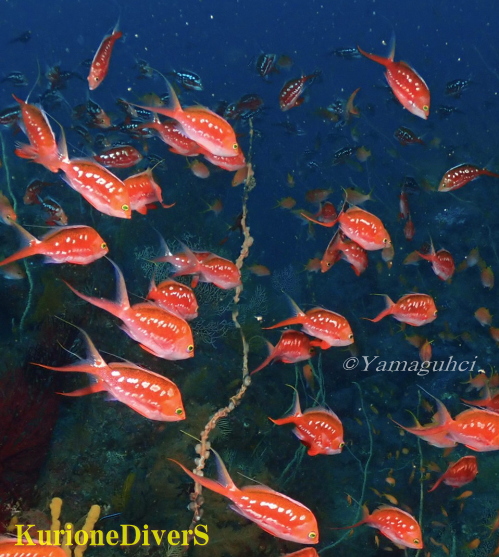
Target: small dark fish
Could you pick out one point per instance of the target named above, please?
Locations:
(24, 38)
(266, 64)
(16, 78)
(405, 136)
(10, 115)
(189, 80)
(456, 87)
(444, 111)
(343, 155)
(58, 78)
(347, 53)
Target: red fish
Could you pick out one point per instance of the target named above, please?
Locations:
(123, 156)
(442, 262)
(343, 248)
(231, 164)
(290, 95)
(79, 245)
(203, 126)
(207, 266)
(100, 187)
(331, 328)
(151, 395)
(273, 512)
(144, 192)
(489, 401)
(100, 63)
(413, 309)
(364, 228)
(43, 146)
(157, 331)
(459, 473)
(172, 134)
(14, 547)
(409, 229)
(460, 175)
(293, 346)
(407, 85)
(397, 525)
(175, 297)
(475, 428)
(319, 429)
(219, 271)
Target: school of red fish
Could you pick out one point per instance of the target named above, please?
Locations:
(160, 323)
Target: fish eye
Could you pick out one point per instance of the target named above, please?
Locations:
(426, 108)
(190, 348)
(385, 240)
(312, 535)
(311, 350)
(125, 207)
(350, 336)
(416, 541)
(235, 146)
(435, 312)
(103, 245)
(179, 411)
(341, 445)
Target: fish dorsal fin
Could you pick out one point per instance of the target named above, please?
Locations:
(121, 293)
(223, 477)
(27, 239)
(297, 312)
(391, 54)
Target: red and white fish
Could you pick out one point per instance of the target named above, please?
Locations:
(459, 473)
(100, 187)
(292, 91)
(331, 328)
(413, 309)
(79, 245)
(462, 174)
(293, 347)
(157, 331)
(397, 525)
(171, 133)
(273, 512)
(202, 125)
(175, 297)
(151, 395)
(102, 58)
(144, 192)
(441, 261)
(407, 85)
(123, 156)
(42, 147)
(364, 228)
(319, 429)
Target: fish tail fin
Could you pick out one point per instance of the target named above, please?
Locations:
(437, 483)
(97, 387)
(32, 246)
(298, 320)
(223, 486)
(267, 360)
(375, 58)
(107, 305)
(385, 312)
